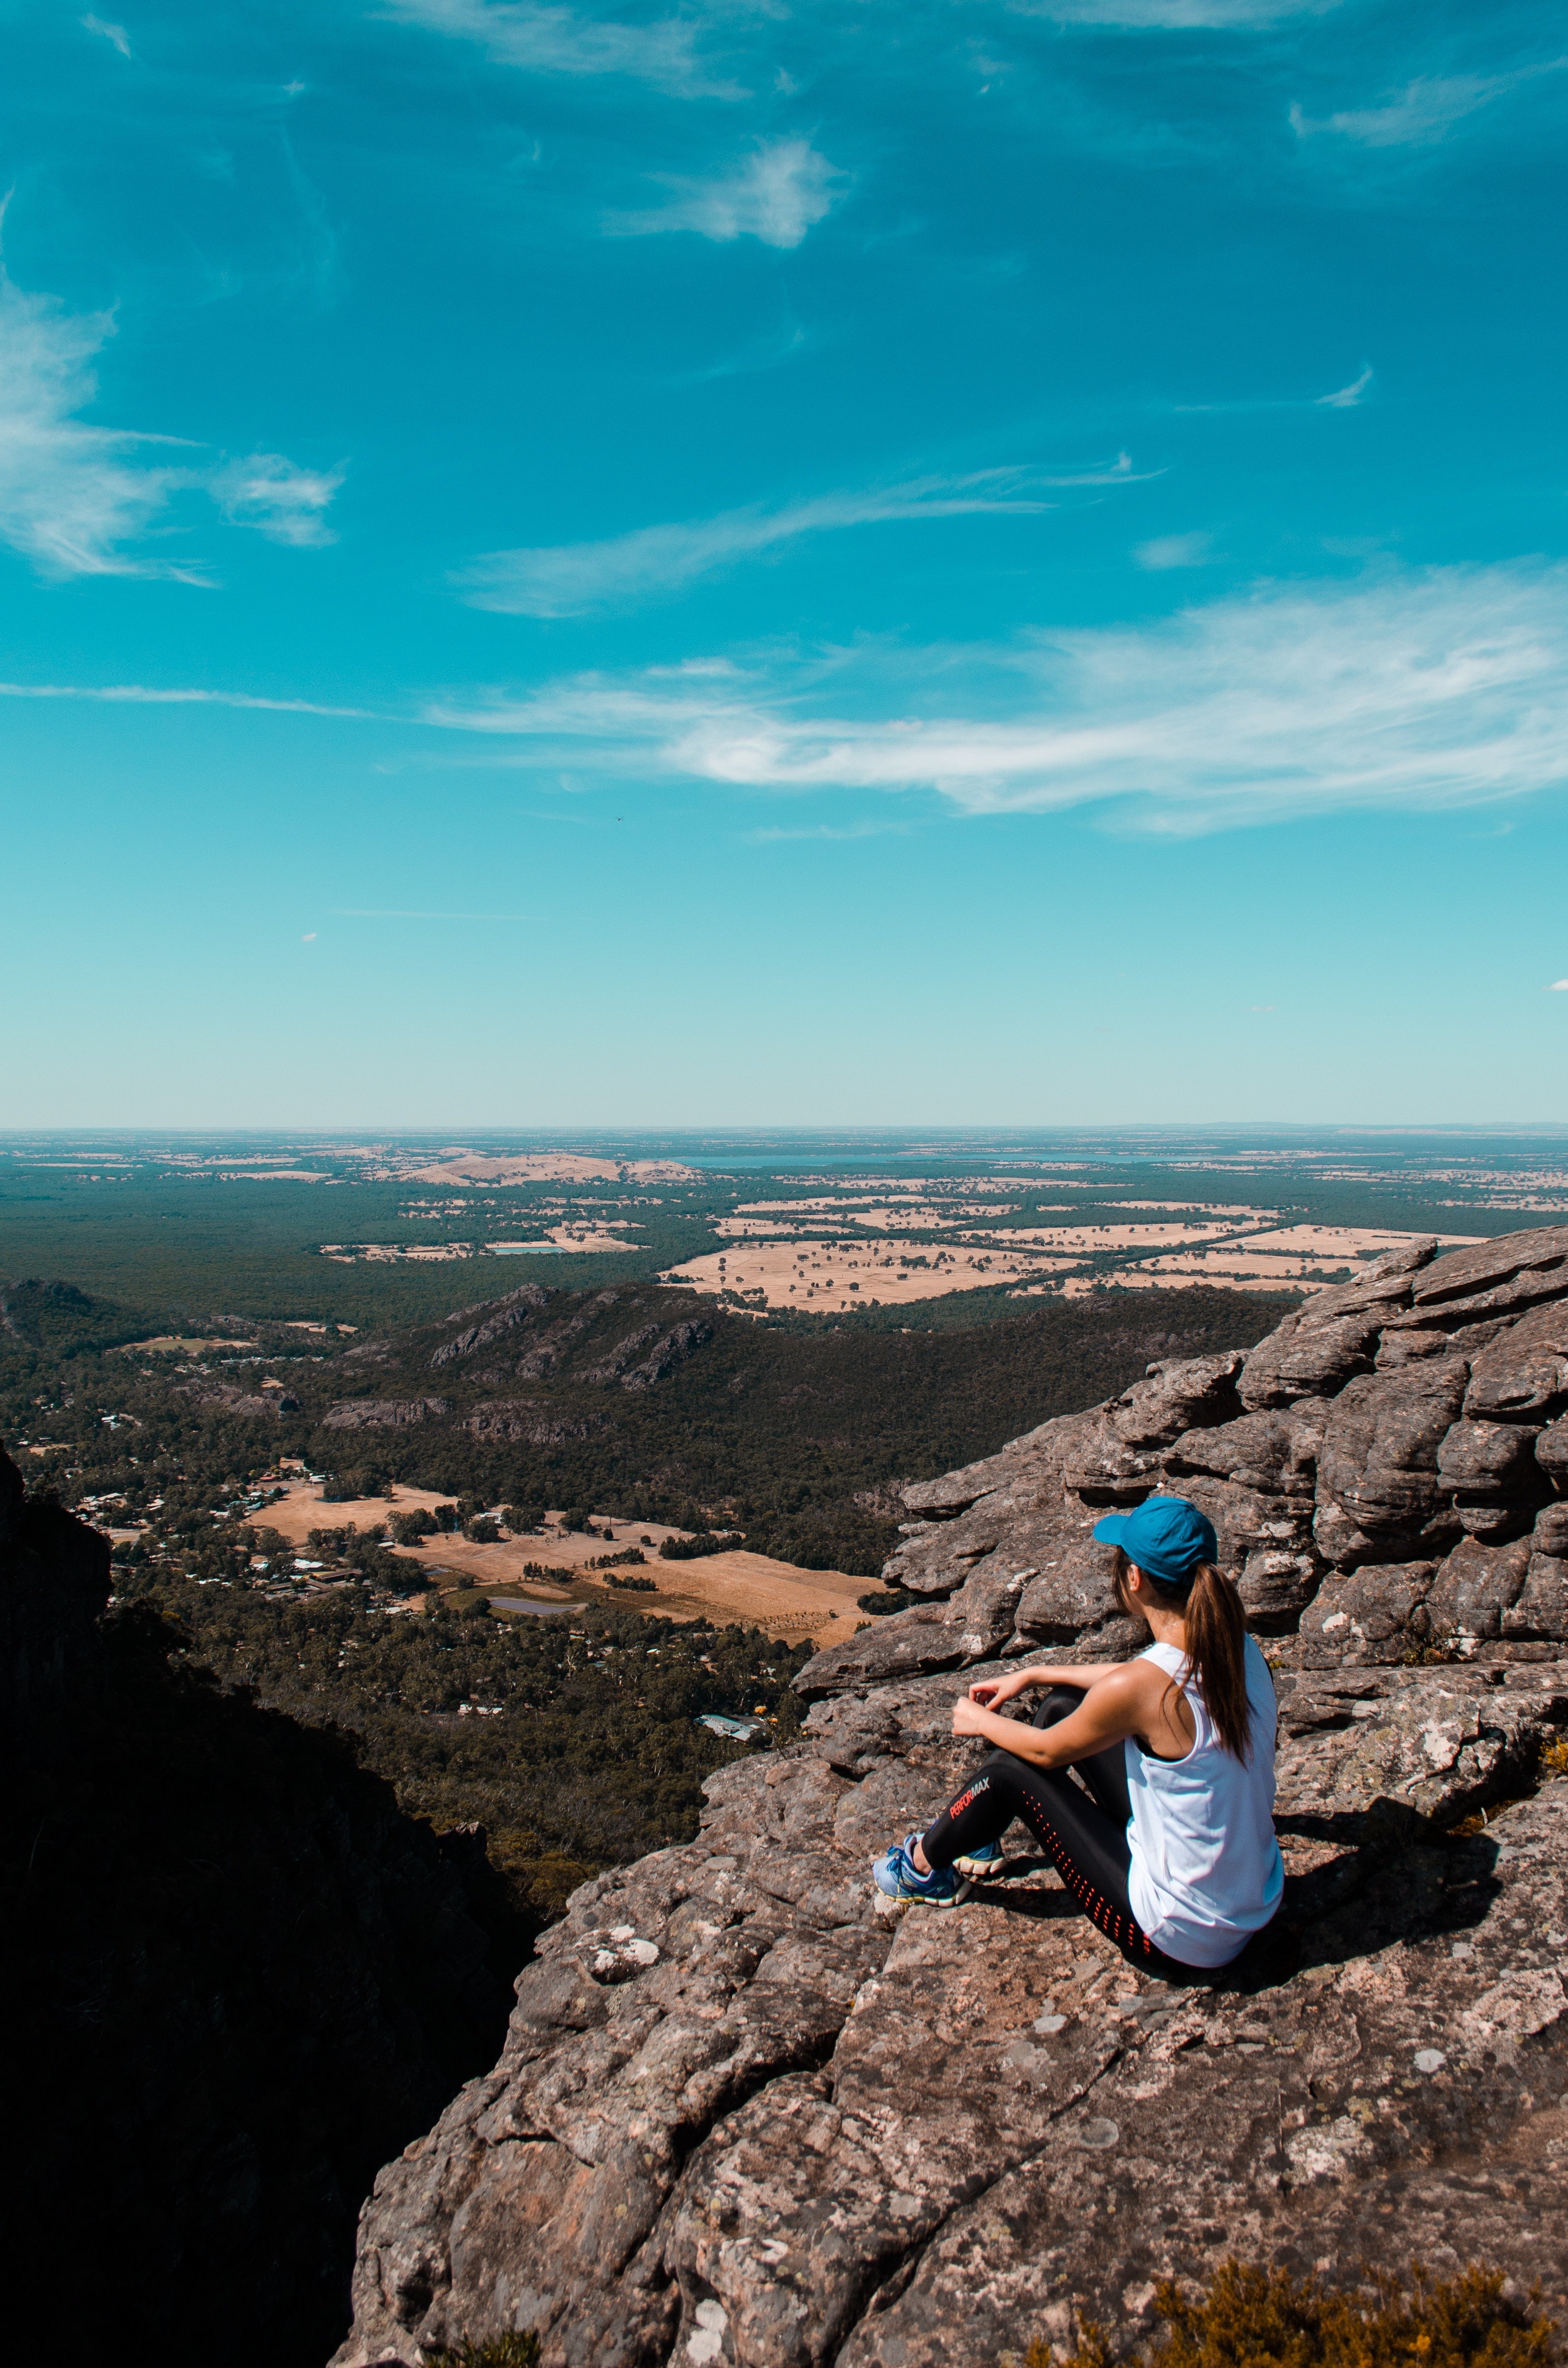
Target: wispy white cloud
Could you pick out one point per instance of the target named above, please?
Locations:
(78, 500)
(1348, 398)
(1342, 398)
(71, 495)
(284, 503)
(395, 912)
(776, 834)
(571, 579)
(1173, 16)
(542, 40)
(142, 694)
(777, 194)
(115, 33)
(1558, 987)
(1424, 111)
(1442, 689)
(1447, 688)
(1166, 550)
(762, 354)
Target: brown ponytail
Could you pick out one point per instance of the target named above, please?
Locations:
(1211, 1610)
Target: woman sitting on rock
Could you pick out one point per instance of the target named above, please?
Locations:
(1168, 1842)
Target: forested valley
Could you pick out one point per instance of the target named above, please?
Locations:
(570, 1741)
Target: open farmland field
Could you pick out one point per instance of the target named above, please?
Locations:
(752, 1588)
(826, 1278)
(372, 1232)
(929, 1248)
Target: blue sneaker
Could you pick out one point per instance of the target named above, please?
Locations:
(896, 1877)
(980, 1864)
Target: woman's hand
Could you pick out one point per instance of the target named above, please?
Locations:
(970, 1717)
(992, 1693)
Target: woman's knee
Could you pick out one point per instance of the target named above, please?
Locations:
(1056, 1703)
(999, 1771)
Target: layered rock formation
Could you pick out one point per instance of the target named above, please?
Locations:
(748, 2112)
(382, 1414)
(1387, 1472)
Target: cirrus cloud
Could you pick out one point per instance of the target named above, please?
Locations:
(1423, 690)
(79, 499)
(1171, 16)
(574, 579)
(116, 35)
(285, 503)
(1424, 111)
(776, 195)
(1419, 691)
(1167, 551)
(542, 40)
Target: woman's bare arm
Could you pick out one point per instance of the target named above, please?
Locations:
(1128, 1698)
(991, 1691)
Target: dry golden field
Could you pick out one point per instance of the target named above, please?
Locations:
(739, 1587)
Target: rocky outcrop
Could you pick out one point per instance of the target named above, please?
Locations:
(741, 2100)
(539, 1421)
(496, 1317)
(670, 1347)
(224, 1399)
(610, 1367)
(681, 1342)
(545, 1348)
(382, 1414)
(748, 2112)
(1386, 1472)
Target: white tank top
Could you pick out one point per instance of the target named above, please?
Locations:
(1206, 1872)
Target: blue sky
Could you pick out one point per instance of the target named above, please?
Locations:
(935, 562)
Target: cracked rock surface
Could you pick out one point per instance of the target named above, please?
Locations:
(748, 2112)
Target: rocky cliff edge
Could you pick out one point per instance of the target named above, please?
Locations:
(748, 2112)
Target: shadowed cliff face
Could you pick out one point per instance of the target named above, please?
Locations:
(237, 1978)
(746, 2112)
(54, 1579)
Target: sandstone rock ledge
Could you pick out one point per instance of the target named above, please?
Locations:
(746, 2112)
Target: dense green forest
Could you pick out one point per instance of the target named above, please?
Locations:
(189, 1247)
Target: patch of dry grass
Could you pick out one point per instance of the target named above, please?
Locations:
(1252, 2317)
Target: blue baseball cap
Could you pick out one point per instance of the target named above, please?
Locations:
(1166, 1536)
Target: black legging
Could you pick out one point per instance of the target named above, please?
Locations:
(1085, 1835)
